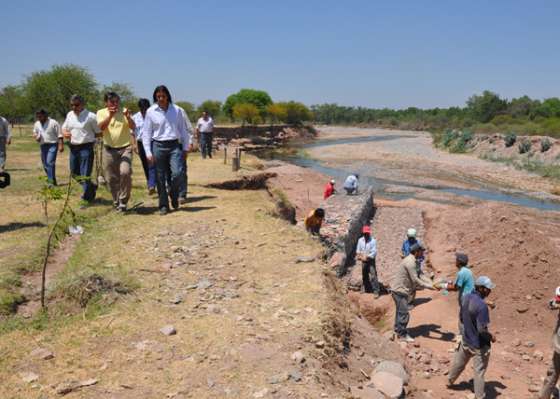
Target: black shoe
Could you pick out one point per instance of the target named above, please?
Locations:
(183, 200)
(163, 211)
(175, 203)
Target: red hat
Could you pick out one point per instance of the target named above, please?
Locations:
(366, 229)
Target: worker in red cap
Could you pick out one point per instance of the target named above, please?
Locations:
(329, 189)
(366, 252)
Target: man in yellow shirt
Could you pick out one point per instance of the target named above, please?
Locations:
(118, 143)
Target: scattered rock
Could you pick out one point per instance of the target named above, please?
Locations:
(261, 394)
(530, 344)
(394, 368)
(42, 353)
(28, 376)
(522, 308)
(176, 300)
(298, 357)
(279, 378)
(168, 330)
(388, 384)
(204, 284)
(538, 355)
(365, 393)
(305, 259)
(68, 386)
(295, 375)
(320, 344)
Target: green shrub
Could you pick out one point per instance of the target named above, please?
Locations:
(524, 146)
(510, 139)
(545, 144)
(448, 137)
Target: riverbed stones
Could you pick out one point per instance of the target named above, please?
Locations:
(42, 354)
(392, 367)
(388, 384)
(168, 330)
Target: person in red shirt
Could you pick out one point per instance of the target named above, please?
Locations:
(329, 190)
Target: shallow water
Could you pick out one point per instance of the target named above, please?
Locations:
(486, 193)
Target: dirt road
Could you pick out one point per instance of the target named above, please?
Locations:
(516, 246)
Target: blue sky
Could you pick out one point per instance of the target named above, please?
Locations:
(370, 53)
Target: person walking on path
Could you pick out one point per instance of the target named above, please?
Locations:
(116, 125)
(5, 139)
(351, 184)
(314, 221)
(463, 284)
(403, 287)
(205, 134)
(149, 170)
(476, 339)
(366, 251)
(165, 125)
(47, 132)
(553, 371)
(329, 189)
(80, 127)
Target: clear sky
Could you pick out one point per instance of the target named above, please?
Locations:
(371, 53)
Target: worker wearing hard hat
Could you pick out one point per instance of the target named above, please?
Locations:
(476, 338)
(554, 370)
(366, 252)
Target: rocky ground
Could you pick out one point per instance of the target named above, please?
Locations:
(515, 246)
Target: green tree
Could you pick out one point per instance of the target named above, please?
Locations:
(486, 106)
(213, 108)
(295, 112)
(189, 108)
(52, 89)
(247, 113)
(522, 107)
(276, 112)
(13, 104)
(549, 108)
(258, 98)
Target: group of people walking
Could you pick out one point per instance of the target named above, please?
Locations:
(160, 133)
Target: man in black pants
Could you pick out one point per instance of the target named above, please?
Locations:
(205, 134)
(366, 252)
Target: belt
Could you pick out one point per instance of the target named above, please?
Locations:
(166, 141)
(107, 147)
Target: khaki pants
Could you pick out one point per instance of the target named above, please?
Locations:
(480, 363)
(551, 379)
(118, 172)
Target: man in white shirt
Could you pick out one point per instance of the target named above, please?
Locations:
(47, 132)
(165, 125)
(149, 170)
(366, 252)
(205, 133)
(80, 128)
(5, 138)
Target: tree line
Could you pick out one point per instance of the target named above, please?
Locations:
(51, 90)
(484, 113)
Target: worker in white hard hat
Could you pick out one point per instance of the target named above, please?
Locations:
(553, 371)
(409, 241)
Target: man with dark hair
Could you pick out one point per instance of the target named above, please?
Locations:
(314, 221)
(464, 282)
(5, 138)
(80, 127)
(205, 133)
(366, 251)
(47, 132)
(118, 144)
(476, 339)
(149, 170)
(165, 125)
(403, 286)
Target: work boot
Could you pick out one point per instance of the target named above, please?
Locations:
(163, 211)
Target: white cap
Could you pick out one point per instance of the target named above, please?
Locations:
(484, 281)
(332, 181)
(558, 291)
(411, 232)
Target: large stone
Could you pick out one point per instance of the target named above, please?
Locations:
(42, 353)
(394, 368)
(388, 384)
(366, 393)
(28, 376)
(168, 330)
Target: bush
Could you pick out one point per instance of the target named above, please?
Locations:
(510, 139)
(545, 144)
(524, 146)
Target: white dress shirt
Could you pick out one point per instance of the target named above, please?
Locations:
(205, 126)
(5, 128)
(49, 133)
(369, 248)
(139, 122)
(161, 125)
(83, 127)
